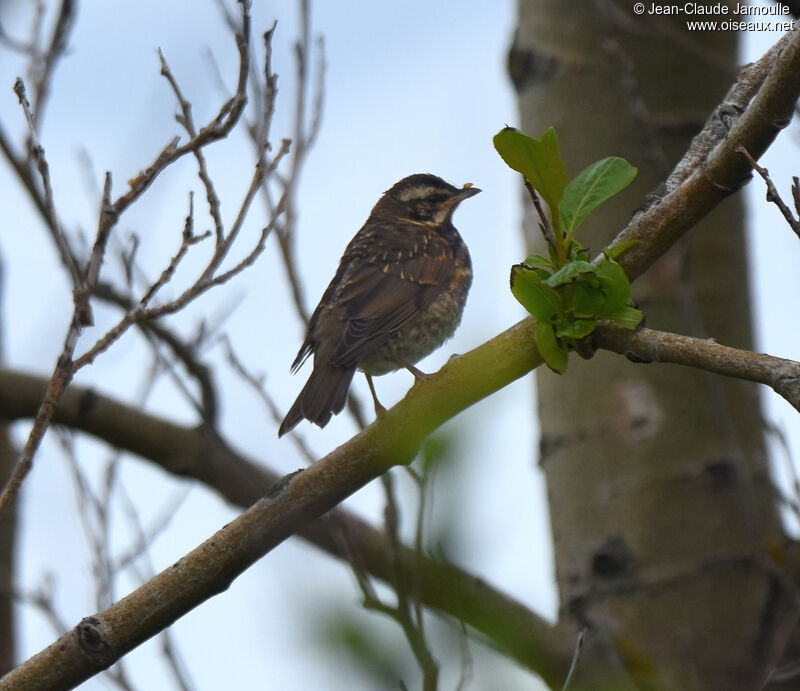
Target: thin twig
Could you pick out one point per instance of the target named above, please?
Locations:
(303, 136)
(185, 352)
(406, 611)
(575, 656)
(64, 369)
(544, 219)
(188, 238)
(38, 156)
(185, 119)
(256, 383)
(772, 192)
(85, 281)
(55, 50)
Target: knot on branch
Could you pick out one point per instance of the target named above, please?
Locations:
(92, 641)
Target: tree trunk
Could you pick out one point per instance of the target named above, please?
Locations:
(8, 527)
(663, 512)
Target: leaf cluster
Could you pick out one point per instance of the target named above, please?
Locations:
(568, 294)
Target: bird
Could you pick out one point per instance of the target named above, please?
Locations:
(397, 295)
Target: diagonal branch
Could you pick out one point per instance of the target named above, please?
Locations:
(766, 95)
(201, 454)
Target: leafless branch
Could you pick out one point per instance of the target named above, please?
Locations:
(55, 50)
(544, 220)
(43, 599)
(304, 135)
(755, 109)
(772, 192)
(648, 345)
(256, 383)
(86, 281)
(48, 202)
(186, 120)
(184, 352)
(62, 374)
(191, 451)
(407, 611)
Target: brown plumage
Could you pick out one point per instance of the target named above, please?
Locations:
(397, 295)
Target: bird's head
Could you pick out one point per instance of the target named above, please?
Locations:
(425, 198)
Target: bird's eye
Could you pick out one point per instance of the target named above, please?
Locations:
(436, 199)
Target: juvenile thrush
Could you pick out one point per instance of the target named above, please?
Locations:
(397, 295)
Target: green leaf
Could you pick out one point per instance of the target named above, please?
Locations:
(626, 316)
(615, 250)
(539, 262)
(540, 300)
(592, 187)
(614, 283)
(569, 272)
(579, 328)
(539, 161)
(586, 298)
(553, 353)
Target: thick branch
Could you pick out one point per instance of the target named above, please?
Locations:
(198, 453)
(723, 170)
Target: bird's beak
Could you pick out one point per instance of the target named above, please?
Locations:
(465, 193)
(448, 206)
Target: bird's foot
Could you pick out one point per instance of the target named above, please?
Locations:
(379, 409)
(419, 375)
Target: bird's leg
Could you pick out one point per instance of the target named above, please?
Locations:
(379, 409)
(419, 375)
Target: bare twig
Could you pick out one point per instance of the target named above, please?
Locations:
(303, 137)
(406, 612)
(648, 345)
(64, 369)
(772, 192)
(188, 238)
(56, 48)
(401, 611)
(85, 281)
(43, 598)
(95, 511)
(544, 220)
(185, 119)
(48, 202)
(218, 128)
(575, 656)
(184, 352)
(256, 383)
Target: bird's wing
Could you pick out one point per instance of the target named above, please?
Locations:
(379, 297)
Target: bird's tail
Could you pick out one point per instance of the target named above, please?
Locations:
(324, 394)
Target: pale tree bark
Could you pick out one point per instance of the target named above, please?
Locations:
(7, 542)
(8, 533)
(663, 513)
